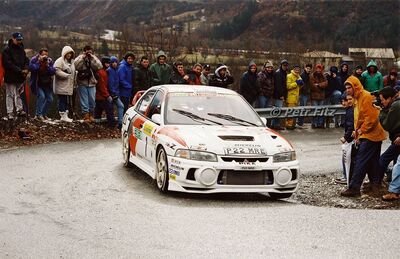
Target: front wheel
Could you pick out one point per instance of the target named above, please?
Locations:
(278, 196)
(162, 176)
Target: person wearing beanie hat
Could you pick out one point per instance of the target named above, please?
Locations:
(391, 78)
(248, 84)
(265, 79)
(280, 90)
(333, 93)
(222, 77)
(160, 70)
(113, 88)
(318, 84)
(373, 79)
(293, 84)
(103, 98)
(87, 65)
(126, 75)
(204, 77)
(15, 64)
(304, 92)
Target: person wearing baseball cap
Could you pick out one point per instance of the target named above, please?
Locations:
(15, 63)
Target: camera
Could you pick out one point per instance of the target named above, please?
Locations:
(44, 59)
(377, 100)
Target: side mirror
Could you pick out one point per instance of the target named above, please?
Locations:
(264, 120)
(156, 118)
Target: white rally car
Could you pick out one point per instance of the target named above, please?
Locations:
(202, 139)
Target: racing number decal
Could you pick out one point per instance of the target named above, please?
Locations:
(137, 125)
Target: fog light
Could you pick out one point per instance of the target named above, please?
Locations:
(283, 176)
(207, 176)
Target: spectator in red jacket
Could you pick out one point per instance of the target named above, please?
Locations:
(103, 98)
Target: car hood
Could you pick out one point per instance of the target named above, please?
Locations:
(232, 140)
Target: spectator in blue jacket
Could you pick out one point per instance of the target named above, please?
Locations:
(113, 88)
(126, 78)
(42, 72)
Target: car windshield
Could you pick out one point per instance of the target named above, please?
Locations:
(208, 108)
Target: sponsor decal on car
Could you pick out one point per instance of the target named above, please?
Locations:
(174, 172)
(138, 134)
(176, 167)
(172, 177)
(148, 128)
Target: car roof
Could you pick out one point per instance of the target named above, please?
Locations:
(174, 88)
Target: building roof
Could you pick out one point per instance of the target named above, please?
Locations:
(374, 52)
(321, 54)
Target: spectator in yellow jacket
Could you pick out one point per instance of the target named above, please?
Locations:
(293, 84)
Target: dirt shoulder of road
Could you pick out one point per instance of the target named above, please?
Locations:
(27, 132)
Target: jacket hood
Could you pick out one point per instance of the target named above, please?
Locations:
(219, 68)
(252, 63)
(66, 50)
(161, 53)
(356, 84)
(372, 63)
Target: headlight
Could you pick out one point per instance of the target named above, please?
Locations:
(196, 155)
(284, 157)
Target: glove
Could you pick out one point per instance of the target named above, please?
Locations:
(109, 99)
(299, 82)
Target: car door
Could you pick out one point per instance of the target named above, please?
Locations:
(150, 126)
(139, 123)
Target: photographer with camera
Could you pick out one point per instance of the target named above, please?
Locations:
(42, 71)
(389, 119)
(87, 65)
(369, 135)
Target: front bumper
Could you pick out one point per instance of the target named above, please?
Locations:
(233, 175)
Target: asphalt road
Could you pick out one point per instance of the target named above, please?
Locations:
(76, 200)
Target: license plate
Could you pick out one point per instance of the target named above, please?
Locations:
(245, 150)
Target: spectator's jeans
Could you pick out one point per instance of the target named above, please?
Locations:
(43, 101)
(104, 105)
(318, 121)
(264, 101)
(87, 97)
(13, 98)
(277, 122)
(62, 102)
(291, 122)
(395, 183)
(302, 102)
(120, 109)
(125, 101)
(366, 162)
(391, 154)
(335, 99)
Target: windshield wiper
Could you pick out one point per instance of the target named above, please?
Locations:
(195, 117)
(231, 118)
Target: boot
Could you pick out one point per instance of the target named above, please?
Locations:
(86, 118)
(91, 118)
(64, 117)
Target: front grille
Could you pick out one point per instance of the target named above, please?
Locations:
(232, 177)
(242, 159)
(236, 138)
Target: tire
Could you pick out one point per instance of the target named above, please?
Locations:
(162, 175)
(126, 149)
(278, 196)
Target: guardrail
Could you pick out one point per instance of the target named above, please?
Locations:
(301, 111)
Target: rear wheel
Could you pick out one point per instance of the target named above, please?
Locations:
(278, 196)
(162, 177)
(126, 149)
